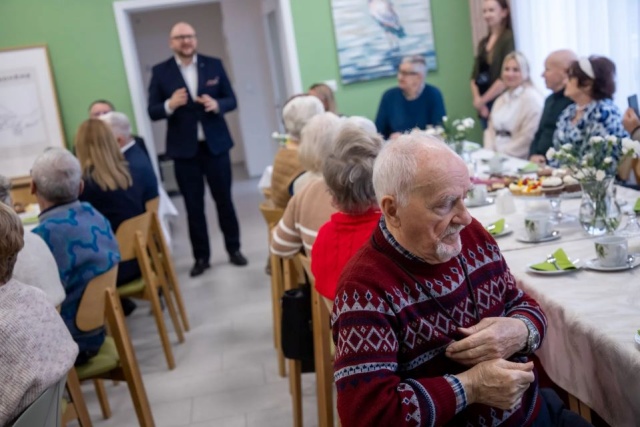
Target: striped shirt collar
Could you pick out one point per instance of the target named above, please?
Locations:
(393, 242)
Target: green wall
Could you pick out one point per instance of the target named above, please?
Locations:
(83, 48)
(315, 39)
(87, 62)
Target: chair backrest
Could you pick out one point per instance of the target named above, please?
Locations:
(126, 235)
(46, 410)
(271, 213)
(153, 205)
(92, 304)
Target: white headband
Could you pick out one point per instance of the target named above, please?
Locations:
(586, 67)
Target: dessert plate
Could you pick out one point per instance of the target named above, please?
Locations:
(575, 262)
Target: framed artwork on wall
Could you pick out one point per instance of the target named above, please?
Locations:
(29, 114)
(372, 36)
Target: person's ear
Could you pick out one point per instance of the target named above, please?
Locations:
(389, 208)
(33, 188)
(80, 188)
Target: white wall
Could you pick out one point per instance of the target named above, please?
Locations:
(151, 32)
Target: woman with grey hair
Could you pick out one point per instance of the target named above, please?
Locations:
(37, 348)
(348, 174)
(286, 165)
(35, 265)
(315, 146)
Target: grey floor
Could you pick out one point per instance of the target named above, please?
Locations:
(226, 370)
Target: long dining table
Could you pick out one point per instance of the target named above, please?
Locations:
(589, 349)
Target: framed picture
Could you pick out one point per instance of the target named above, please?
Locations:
(372, 36)
(29, 115)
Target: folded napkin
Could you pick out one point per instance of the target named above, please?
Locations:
(636, 207)
(496, 227)
(561, 259)
(28, 220)
(529, 167)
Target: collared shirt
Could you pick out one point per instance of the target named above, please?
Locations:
(190, 75)
(130, 144)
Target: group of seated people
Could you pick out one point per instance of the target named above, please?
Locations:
(83, 199)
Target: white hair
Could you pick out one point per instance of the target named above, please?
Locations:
(418, 62)
(363, 123)
(396, 166)
(297, 112)
(316, 139)
(119, 124)
(5, 190)
(57, 175)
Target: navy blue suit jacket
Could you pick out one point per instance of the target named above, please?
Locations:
(182, 131)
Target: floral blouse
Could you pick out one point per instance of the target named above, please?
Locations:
(600, 118)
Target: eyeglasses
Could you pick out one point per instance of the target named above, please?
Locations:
(407, 73)
(184, 37)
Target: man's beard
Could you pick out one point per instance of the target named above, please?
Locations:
(445, 251)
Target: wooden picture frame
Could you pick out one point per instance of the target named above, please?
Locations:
(29, 113)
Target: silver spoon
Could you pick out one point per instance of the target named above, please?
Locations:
(552, 260)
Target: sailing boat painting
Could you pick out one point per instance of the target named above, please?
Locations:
(372, 36)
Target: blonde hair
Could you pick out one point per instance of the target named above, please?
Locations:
(316, 139)
(325, 95)
(100, 156)
(522, 62)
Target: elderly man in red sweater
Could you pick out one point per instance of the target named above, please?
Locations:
(429, 326)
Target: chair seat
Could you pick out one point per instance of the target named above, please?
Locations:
(106, 360)
(131, 288)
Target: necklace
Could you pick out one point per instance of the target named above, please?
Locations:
(429, 291)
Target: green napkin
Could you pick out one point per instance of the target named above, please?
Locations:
(636, 207)
(28, 220)
(496, 227)
(529, 167)
(561, 259)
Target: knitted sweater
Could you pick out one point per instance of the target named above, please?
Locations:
(306, 212)
(390, 335)
(84, 247)
(36, 347)
(286, 168)
(336, 243)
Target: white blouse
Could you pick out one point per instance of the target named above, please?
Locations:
(514, 120)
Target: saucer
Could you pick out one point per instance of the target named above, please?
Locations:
(472, 204)
(555, 235)
(505, 231)
(575, 262)
(594, 264)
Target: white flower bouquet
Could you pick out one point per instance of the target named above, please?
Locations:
(453, 132)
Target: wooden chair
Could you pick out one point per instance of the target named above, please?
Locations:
(290, 275)
(164, 260)
(75, 408)
(133, 237)
(272, 216)
(322, 349)
(116, 360)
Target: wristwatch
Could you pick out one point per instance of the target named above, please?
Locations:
(533, 338)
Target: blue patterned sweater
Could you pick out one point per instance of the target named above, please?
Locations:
(84, 247)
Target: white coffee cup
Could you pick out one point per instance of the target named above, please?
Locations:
(612, 251)
(505, 204)
(537, 226)
(477, 194)
(495, 164)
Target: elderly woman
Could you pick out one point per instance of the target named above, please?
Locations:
(35, 265)
(324, 93)
(311, 207)
(591, 86)
(516, 113)
(111, 187)
(347, 172)
(286, 165)
(37, 350)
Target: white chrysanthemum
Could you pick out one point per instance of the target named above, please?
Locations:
(567, 147)
(600, 175)
(445, 118)
(550, 153)
(629, 145)
(579, 174)
(612, 139)
(596, 140)
(460, 128)
(608, 160)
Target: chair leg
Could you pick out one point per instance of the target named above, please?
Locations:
(128, 361)
(276, 293)
(162, 327)
(323, 365)
(172, 310)
(295, 383)
(78, 405)
(102, 398)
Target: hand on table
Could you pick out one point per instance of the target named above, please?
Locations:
(630, 120)
(492, 338)
(539, 159)
(178, 98)
(498, 383)
(209, 103)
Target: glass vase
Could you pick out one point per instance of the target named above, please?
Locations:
(599, 211)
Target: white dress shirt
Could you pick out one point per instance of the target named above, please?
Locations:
(190, 75)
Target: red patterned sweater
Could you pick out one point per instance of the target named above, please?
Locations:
(390, 366)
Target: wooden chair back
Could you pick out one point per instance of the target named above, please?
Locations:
(126, 235)
(90, 313)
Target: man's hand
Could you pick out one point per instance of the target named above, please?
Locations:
(178, 99)
(497, 383)
(630, 120)
(492, 338)
(539, 159)
(209, 103)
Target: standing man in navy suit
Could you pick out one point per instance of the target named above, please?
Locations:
(193, 93)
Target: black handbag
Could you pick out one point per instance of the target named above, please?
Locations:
(296, 326)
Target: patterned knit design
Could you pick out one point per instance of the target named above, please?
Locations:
(390, 366)
(36, 347)
(306, 212)
(84, 247)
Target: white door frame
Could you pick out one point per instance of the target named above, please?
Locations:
(122, 11)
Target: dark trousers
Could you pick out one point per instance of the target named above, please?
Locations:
(191, 174)
(553, 413)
